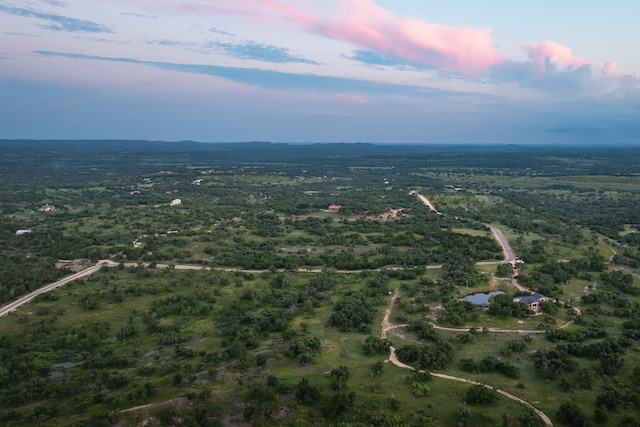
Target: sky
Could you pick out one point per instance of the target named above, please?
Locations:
(381, 71)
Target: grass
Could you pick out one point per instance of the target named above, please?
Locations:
(470, 232)
(117, 219)
(338, 348)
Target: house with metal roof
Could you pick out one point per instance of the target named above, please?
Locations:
(533, 301)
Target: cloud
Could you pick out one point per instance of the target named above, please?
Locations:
(137, 15)
(548, 54)
(222, 32)
(55, 3)
(276, 80)
(382, 39)
(259, 51)
(379, 38)
(609, 68)
(57, 22)
(9, 33)
(552, 68)
(375, 58)
(364, 25)
(171, 43)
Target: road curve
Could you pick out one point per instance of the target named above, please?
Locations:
(387, 326)
(394, 359)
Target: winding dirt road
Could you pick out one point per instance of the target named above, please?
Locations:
(387, 326)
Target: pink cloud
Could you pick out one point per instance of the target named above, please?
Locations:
(363, 24)
(547, 53)
(609, 68)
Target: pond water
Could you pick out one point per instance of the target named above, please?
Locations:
(481, 298)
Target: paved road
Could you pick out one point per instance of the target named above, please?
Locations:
(510, 256)
(25, 299)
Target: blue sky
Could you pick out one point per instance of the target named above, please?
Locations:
(498, 71)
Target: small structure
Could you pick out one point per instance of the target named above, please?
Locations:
(175, 202)
(533, 301)
(21, 232)
(47, 208)
(334, 208)
(196, 182)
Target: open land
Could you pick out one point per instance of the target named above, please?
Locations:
(213, 284)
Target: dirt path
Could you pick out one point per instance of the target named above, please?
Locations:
(427, 203)
(151, 405)
(467, 329)
(387, 326)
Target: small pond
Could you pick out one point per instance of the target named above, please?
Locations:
(481, 298)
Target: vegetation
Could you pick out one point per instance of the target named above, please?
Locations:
(249, 302)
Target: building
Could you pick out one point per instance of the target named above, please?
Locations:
(533, 301)
(175, 202)
(334, 208)
(47, 208)
(21, 232)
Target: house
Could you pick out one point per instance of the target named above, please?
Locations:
(334, 208)
(533, 301)
(47, 208)
(175, 202)
(21, 232)
(197, 182)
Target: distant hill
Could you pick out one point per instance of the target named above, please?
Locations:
(543, 158)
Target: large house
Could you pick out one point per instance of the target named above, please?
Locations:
(47, 208)
(334, 208)
(533, 301)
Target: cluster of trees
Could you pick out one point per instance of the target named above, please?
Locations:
(481, 395)
(352, 311)
(490, 364)
(374, 346)
(549, 277)
(503, 305)
(458, 312)
(435, 356)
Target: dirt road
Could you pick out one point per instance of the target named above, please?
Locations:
(387, 326)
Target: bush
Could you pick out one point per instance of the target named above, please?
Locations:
(481, 395)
